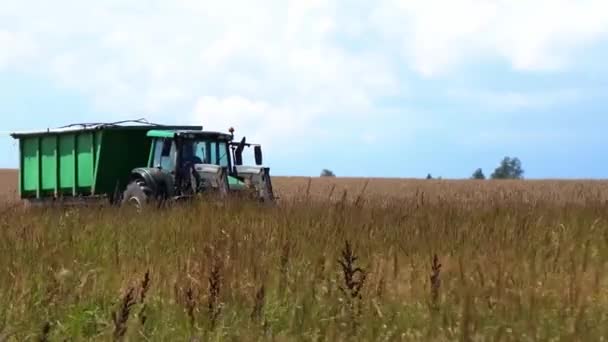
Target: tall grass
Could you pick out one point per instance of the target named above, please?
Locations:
(510, 263)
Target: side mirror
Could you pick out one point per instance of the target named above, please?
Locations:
(238, 154)
(257, 150)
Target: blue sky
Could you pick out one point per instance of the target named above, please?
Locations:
(385, 89)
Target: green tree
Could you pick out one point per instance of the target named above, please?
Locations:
(478, 174)
(327, 173)
(509, 168)
(428, 176)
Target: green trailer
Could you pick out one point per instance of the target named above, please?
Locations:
(79, 161)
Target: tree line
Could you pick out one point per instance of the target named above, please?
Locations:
(509, 168)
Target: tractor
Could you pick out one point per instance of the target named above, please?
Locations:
(184, 163)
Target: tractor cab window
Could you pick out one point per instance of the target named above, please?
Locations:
(164, 154)
(197, 151)
(217, 153)
(223, 154)
(206, 152)
(212, 152)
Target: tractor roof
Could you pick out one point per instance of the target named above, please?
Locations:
(191, 134)
(140, 124)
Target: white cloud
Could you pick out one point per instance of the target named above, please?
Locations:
(438, 35)
(504, 101)
(268, 122)
(15, 49)
(280, 68)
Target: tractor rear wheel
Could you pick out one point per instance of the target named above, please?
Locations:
(137, 194)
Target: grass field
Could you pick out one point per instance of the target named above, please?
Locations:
(386, 260)
(8, 184)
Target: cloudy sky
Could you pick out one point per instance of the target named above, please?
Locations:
(391, 88)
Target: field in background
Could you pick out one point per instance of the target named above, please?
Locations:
(387, 189)
(8, 184)
(338, 259)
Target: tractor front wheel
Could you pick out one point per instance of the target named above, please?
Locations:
(137, 194)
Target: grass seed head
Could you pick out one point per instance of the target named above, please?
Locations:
(258, 305)
(46, 331)
(435, 279)
(121, 317)
(214, 305)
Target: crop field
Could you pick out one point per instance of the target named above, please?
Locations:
(8, 184)
(336, 260)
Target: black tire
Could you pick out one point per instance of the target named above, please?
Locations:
(137, 194)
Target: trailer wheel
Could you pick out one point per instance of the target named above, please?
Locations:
(136, 194)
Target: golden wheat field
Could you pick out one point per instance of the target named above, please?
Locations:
(337, 260)
(8, 184)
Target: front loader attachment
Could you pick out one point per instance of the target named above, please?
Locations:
(259, 179)
(212, 177)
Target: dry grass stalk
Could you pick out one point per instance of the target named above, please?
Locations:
(46, 331)
(331, 192)
(435, 281)
(283, 267)
(354, 279)
(214, 305)
(144, 288)
(308, 188)
(359, 199)
(466, 318)
(352, 284)
(258, 305)
(381, 288)
(121, 317)
(190, 303)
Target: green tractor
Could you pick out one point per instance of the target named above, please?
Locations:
(184, 163)
(136, 162)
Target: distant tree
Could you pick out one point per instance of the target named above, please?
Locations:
(478, 174)
(428, 176)
(327, 173)
(509, 168)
